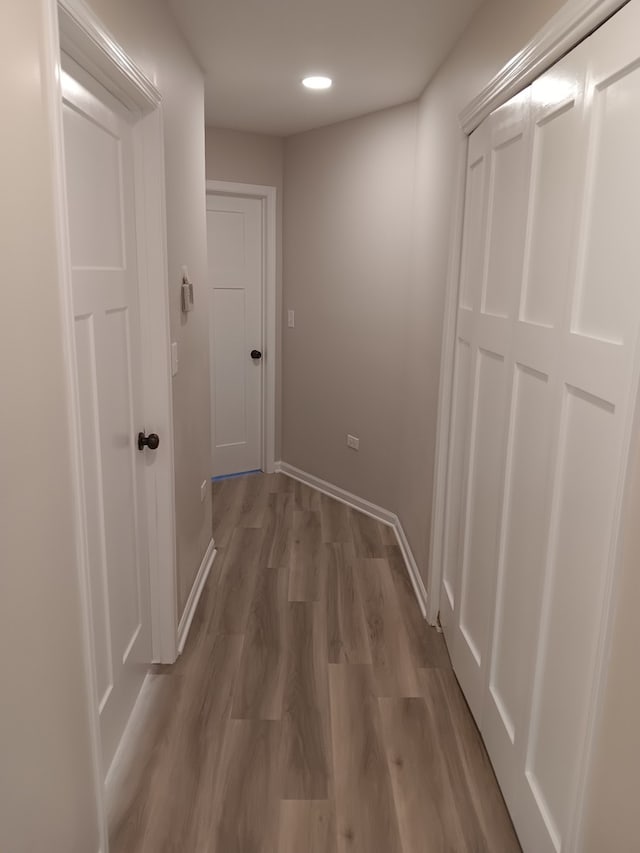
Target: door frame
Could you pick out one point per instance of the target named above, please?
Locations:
(268, 197)
(72, 28)
(573, 22)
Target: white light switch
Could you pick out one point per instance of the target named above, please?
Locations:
(174, 358)
(292, 319)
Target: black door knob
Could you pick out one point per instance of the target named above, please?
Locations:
(255, 353)
(151, 441)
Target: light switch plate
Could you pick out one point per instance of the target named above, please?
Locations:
(174, 358)
(291, 319)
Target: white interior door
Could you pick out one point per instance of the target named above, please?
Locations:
(101, 210)
(235, 245)
(545, 386)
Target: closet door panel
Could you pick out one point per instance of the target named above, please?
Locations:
(491, 338)
(473, 245)
(507, 206)
(611, 256)
(551, 234)
(554, 187)
(598, 378)
(582, 513)
(520, 574)
(483, 513)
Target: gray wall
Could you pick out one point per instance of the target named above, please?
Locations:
(254, 158)
(348, 215)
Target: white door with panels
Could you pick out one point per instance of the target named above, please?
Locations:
(545, 387)
(235, 247)
(101, 213)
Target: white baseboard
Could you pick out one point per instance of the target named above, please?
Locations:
(412, 568)
(368, 508)
(194, 596)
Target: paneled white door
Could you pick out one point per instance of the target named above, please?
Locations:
(101, 212)
(545, 387)
(235, 245)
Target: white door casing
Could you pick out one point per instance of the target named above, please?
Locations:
(544, 391)
(236, 275)
(101, 209)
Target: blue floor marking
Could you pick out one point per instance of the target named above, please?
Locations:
(231, 476)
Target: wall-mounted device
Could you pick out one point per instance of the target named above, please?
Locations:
(186, 291)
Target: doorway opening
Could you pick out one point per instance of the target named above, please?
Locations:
(241, 239)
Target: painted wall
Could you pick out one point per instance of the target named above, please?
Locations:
(254, 158)
(47, 795)
(148, 33)
(348, 214)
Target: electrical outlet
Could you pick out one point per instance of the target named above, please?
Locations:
(203, 491)
(291, 319)
(353, 442)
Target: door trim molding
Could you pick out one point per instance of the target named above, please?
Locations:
(572, 23)
(84, 38)
(385, 516)
(268, 197)
(73, 28)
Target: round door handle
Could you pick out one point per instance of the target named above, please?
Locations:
(256, 354)
(151, 441)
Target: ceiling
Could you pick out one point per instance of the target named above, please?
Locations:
(255, 52)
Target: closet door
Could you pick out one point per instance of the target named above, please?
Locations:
(488, 323)
(536, 365)
(597, 381)
(545, 387)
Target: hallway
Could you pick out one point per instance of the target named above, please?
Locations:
(313, 710)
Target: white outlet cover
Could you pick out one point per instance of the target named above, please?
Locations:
(291, 319)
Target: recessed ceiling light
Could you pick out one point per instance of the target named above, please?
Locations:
(317, 82)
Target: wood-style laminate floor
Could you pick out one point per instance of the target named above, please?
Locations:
(313, 710)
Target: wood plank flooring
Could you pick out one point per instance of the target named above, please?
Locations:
(313, 710)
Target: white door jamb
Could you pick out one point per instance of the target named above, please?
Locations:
(267, 196)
